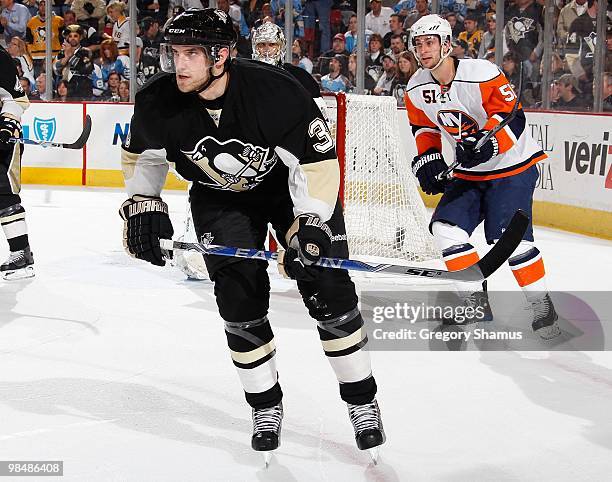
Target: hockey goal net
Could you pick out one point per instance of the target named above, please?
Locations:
(384, 213)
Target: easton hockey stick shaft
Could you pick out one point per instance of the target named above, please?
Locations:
(491, 261)
(78, 144)
(446, 174)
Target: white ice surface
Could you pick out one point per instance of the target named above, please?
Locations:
(121, 370)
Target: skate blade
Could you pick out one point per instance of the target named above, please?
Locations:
(374, 454)
(267, 456)
(17, 274)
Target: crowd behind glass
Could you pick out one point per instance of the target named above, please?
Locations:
(90, 43)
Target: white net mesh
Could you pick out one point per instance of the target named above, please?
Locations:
(384, 213)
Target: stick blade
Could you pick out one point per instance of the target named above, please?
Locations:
(82, 140)
(506, 244)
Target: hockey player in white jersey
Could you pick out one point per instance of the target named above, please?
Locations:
(462, 100)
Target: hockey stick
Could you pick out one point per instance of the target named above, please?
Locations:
(78, 144)
(491, 261)
(483, 140)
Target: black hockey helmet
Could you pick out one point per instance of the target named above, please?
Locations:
(210, 26)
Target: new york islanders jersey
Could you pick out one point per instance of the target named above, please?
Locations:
(479, 97)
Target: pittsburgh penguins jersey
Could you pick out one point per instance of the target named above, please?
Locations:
(479, 97)
(13, 100)
(263, 138)
(35, 35)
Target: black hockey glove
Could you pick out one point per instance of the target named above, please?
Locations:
(468, 156)
(9, 127)
(426, 168)
(309, 239)
(146, 221)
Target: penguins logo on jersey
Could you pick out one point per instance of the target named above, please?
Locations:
(519, 27)
(457, 123)
(232, 165)
(41, 33)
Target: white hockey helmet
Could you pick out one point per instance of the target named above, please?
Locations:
(432, 25)
(268, 33)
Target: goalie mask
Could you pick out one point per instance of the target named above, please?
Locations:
(268, 42)
(210, 29)
(432, 25)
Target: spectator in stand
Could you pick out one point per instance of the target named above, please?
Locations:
(460, 49)
(406, 67)
(568, 91)
(124, 91)
(91, 38)
(456, 26)
(299, 48)
(35, 36)
(320, 9)
(368, 82)
(378, 19)
(112, 91)
(338, 48)
(62, 91)
(251, 10)
(158, 9)
(397, 28)
(13, 19)
(524, 25)
(487, 43)
(121, 26)
(351, 35)
(607, 92)
(582, 35)
(152, 38)
(18, 49)
(511, 69)
(457, 7)
(472, 35)
(397, 46)
(403, 8)
(334, 81)
(568, 14)
(385, 81)
(41, 89)
(421, 9)
(108, 62)
(74, 64)
(278, 10)
(373, 63)
(89, 12)
(26, 85)
(608, 62)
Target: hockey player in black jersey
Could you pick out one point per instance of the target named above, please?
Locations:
(257, 150)
(13, 103)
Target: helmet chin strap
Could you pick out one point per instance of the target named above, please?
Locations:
(212, 77)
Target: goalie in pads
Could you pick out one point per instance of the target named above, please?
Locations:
(462, 100)
(209, 109)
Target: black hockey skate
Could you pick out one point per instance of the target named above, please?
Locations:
(369, 433)
(545, 318)
(19, 265)
(266, 430)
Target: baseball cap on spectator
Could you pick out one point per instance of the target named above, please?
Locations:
(377, 1)
(74, 28)
(339, 36)
(388, 56)
(567, 79)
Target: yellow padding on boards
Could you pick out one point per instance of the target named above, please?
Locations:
(68, 176)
